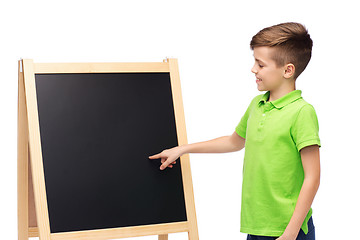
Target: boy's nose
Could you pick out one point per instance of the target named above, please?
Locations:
(253, 69)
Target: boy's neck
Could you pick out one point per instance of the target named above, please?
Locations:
(281, 91)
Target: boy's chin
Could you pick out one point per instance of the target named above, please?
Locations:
(261, 88)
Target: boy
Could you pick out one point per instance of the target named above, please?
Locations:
(281, 171)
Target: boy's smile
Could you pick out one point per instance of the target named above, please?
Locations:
(269, 77)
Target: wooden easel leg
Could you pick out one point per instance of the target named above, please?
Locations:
(193, 234)
(163, 237)
(22, 162)
(33, 227)
(185, 160)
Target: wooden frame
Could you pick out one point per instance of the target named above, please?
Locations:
(33, 219)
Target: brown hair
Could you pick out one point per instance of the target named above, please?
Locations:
(291, 41)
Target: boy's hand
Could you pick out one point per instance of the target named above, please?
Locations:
(168, 157)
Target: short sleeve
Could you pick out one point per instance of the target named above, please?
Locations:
(240, 129)
(305, 129)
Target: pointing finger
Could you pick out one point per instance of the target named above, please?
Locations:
(155, 156)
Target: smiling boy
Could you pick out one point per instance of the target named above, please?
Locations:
(279, 130)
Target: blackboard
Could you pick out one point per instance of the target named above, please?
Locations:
(97, 131)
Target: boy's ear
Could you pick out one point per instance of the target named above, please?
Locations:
(289, 70)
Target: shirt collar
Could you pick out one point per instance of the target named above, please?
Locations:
(284, 100)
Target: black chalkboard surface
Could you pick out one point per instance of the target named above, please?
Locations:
(97, 131)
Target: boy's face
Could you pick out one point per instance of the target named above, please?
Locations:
(268, 76)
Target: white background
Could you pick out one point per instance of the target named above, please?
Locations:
(210, 39)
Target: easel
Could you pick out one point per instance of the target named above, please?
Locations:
(33, 219)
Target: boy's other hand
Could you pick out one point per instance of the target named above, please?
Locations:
(168, 157)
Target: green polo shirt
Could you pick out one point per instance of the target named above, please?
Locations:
(272, 172)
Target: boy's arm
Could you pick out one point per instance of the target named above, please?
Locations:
(310, 158)
(218, 145)
(223, 144)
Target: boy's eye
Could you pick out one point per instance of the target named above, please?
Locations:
(261, 65)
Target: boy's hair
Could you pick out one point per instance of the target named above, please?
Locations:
(291, 42)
